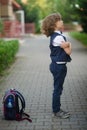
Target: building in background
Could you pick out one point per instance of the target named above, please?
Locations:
(13, 27)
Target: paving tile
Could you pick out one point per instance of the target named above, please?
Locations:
(31, 76)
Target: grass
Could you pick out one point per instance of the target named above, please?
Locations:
(82, 37)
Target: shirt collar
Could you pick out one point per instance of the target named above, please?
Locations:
(58, 32)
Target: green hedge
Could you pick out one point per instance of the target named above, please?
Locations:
(8, 50)
(82, 37)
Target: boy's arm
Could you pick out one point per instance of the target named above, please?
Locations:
(64, 44)
(68, 50)
(67, 47)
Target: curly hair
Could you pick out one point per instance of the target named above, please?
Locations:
(48, 24)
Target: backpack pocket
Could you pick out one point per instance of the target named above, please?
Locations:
(9, 108)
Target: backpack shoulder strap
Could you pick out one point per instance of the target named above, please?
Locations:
(19, 116)
(20, 96)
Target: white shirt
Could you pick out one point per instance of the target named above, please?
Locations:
(57, 42)
(58, 39)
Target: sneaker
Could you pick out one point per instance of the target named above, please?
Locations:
(62, 114)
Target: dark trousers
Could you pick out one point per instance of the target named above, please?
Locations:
(59, 72)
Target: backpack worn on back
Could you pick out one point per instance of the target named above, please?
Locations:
(14, 106)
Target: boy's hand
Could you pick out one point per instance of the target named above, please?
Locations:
(65, 44)
(67, 47)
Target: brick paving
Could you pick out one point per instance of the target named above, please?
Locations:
(31, 76)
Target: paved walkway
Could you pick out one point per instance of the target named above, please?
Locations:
(30, 75)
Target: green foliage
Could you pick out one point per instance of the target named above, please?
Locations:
(36, 10)
(82, 37)
(82, 12)
(64, 7)
(31, 11)
(32, 15)
(1, 26)
(8, 49)
(80, 9)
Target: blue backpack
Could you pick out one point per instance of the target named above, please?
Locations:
(14, 106)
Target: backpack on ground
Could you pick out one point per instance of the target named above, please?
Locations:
(14, 106)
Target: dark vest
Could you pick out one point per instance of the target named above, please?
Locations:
(57, 53)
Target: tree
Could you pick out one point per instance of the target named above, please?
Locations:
(82, 12)
(36, 10)
(64, 7)
(31, 11)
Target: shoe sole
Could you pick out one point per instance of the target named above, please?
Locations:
(61, 117)
(65, 117)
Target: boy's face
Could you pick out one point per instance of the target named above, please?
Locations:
(59, 24)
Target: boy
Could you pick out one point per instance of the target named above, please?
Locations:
(60, 55)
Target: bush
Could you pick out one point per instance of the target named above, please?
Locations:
(1, 26)
(82, 37)
(8, 50)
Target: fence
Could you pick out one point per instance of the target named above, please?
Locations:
(29, 28)
(11, 29)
